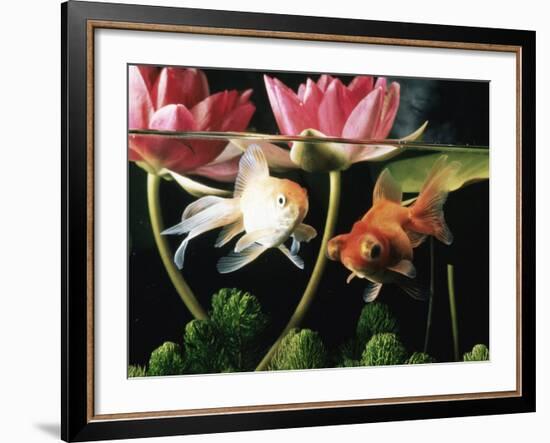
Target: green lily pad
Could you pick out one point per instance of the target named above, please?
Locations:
(412, 172)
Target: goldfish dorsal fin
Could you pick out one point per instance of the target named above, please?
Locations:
(253, 165)
(387, 188)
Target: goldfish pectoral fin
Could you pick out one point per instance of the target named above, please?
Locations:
(386, 188)
(253, 165)
(295, 247)
(412, 288)
(236, 260)
(296, 259)
(304, 232)
(180, 253)
(351, 277)
(371, 291)
(253, 237)
(404, 267)
(229, 232)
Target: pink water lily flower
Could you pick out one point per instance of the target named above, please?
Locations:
(364, 109)
(178, 99)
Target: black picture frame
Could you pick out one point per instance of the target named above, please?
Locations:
(77, 424)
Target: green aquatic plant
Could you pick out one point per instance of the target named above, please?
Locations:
(375, 318)
(228, 340)
(420, 358)
(136, 371)
(166, 360)
(299, 349)
(479, 352)
(384, 349)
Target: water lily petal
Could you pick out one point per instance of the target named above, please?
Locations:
(389, 111)
(381, 82)
(224, 167)
(140, 103)
(384, 152)
(334, 109)
(318, 156)
(324, 81)
(287, 107)
(359, 87)
(209, 113)
(173, 118)
(238, 118)
(312, 98)
(193, 187)
(149, 74)
(364, 118)
(180, 86)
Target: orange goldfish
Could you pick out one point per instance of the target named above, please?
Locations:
(270, 210)
(379, 247)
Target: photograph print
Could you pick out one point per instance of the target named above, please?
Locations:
(285, 221)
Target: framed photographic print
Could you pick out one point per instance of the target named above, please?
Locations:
(280, 221)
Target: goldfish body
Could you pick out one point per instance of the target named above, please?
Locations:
(269, 210)
(379, 247)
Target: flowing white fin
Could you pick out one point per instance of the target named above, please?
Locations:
(229, 232)
(200, 205)
(301, 233)
(236, 260)
(427, 212)
(220, 213)
(371, 291)
(295, 246)
(304, 232)
(252, 166)
(250, 238)
(351, 277)
(296, 259)
(386, 188)
(404, 267)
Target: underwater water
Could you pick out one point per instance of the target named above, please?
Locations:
(458, 115)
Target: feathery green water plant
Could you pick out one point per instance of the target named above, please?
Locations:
(299, 349)
(384, 349)
(420, 358)
(375, 318)
(166, 360)
(136, 371)
(479, 352)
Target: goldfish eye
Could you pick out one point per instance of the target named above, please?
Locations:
(281, 200)
(375, 251)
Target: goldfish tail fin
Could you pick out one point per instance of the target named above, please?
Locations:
(201, 216)
(236, 260)
(426, 213)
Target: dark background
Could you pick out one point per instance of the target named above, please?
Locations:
(458, 112)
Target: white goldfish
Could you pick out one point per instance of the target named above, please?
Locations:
(269, 210)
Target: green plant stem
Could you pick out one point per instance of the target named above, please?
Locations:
(452, 306)
(183, 289)
(431, 301)
(314, 280)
